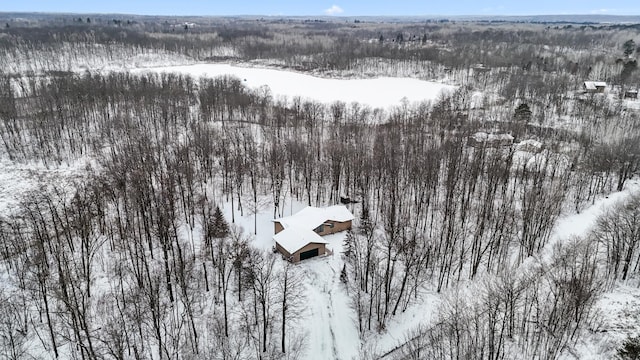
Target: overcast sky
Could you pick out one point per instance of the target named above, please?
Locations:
(335, 8)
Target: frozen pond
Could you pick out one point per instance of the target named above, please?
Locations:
(379, 92)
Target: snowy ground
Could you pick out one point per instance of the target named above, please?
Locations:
(400, 328)
(380, 92)
(619, 308)
(619, 318)
(580, 224)
(91, 58)
(328, 323)
(18, 181)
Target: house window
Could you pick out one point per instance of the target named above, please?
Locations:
(319, 229)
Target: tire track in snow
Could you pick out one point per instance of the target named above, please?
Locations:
(330, 312)
(326, 324)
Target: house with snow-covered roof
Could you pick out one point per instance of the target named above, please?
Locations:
(631, 94)
(594, 86)
(297, 244)
(482, 139)
(298, 236)
(323, 221)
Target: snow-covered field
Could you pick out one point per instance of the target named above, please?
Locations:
(377, 93)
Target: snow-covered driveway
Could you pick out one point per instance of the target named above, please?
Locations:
(330, 320)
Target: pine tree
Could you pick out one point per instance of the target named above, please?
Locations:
(629, 47)
(522, 113)
(348, 245)
(343, 274)
(219, 228)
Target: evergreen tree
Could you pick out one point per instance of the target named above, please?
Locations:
(219, 227)
(629, 47)
(522, 113)
(628, 68)
(343, 274)
(348, 244)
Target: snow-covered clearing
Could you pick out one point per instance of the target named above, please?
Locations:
(377, 93)
(619, 318)
(328, 323)
(17, 181)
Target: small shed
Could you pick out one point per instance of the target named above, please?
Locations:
(631, 94)
(480, 69)
(594, 86)
(297, 244)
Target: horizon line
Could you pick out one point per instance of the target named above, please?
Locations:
(319, 15)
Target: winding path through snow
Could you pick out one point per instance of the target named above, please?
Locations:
(580, 224)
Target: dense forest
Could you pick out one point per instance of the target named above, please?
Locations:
(133, 257)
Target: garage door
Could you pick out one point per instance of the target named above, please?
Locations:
(308, 254)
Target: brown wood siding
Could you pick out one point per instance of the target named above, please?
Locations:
(337, 227)
(282, 251)
(277, 227)
(322, 249)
